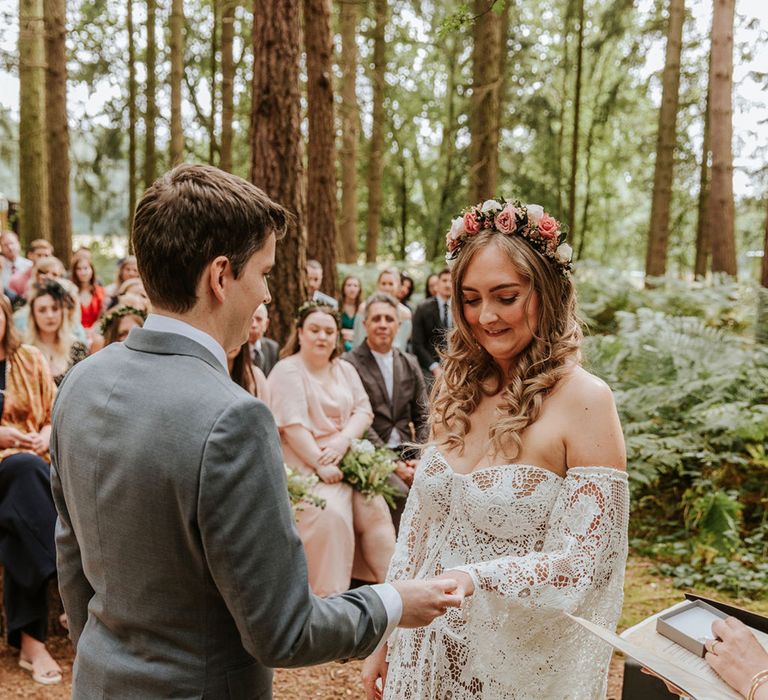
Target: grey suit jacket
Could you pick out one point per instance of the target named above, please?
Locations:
(270, 353)
(179, 564)
(409, 396)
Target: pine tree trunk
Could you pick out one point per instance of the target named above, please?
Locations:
(703, 231)
(575, 136)
(33, 178)
(376, 157)
(131, 120)
(177, 74)
(276, 163)
(214, 69)
(663, 174)
(227, 82)
(484, 106)
(350, 132)
(721, 207)
(57, 128)
(150, 91)
(321, 149)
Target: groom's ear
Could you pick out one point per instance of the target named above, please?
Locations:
(218, 276)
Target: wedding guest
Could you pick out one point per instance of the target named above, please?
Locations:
(117, 324)
(127, 268)
(13, 262)
(430, 286)
(90, 294)
(27, 513)
(350, 300)
(406, 290)
(320, 406)
(431, 322)
(46, 268)
(522, 494)
(395, 387)
(314, 272)
(264, 351)
(246, 374)
(388, 282)
(738, 658)
(39, 248)
(50, 328)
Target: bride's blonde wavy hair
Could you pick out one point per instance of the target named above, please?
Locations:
(469, 372)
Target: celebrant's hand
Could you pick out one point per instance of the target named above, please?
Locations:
(423, 601)
(375, 667)
(464, 583)
(11, 437)
(736, 656)
(329, 473)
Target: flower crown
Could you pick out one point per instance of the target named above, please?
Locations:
(119, 312)
(529, 221)
(312, 305)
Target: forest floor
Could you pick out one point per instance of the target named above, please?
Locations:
(645, 593)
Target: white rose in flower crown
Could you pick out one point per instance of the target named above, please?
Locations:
(457, 228)
(535, 212)
(490, 205)
(563, 253)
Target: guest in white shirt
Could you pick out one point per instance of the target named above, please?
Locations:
(314, 282)
(13, 263)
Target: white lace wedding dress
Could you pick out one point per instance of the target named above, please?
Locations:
(535, 545)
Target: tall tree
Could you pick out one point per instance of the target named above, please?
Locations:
(376, 154)
(131, 119)
(575, 133)
(177, 75)
(485, 104)
(703, 228)
(276, 162)
(663, 174)
(33, 183)
(321, 156)
(150, 90)
(227, 82)
(212, 146)
(57, 127)
(721, 207)
(350, 132)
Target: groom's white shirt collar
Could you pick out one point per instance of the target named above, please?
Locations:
(166, 324)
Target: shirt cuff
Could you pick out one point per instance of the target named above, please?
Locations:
(393, 604)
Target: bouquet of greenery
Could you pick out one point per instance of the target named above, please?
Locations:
(367, 468)
(300, 488)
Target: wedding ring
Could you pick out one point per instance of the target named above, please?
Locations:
(714, 644)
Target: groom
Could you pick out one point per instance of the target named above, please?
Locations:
(179, 565)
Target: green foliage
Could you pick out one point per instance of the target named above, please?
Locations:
(367, 469)
(691, 386)
(300, 488)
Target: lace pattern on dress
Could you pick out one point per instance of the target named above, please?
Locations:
(536, 545)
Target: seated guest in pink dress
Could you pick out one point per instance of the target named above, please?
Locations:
(320, 406)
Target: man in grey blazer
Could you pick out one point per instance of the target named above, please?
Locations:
(179, 565)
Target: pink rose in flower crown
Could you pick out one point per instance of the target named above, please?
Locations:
(471, 225)
(505, 220)
(548, 226)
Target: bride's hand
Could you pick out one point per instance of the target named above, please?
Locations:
(375, 667)
(466, 586)
(329, 473)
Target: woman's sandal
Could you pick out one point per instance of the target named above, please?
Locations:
(51, 677)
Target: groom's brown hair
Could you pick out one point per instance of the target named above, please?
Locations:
(188, 217)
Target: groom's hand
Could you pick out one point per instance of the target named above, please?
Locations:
(423, 601)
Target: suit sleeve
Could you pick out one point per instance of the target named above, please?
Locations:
(75, 590)
(420, 338)
(257, 560)
(420, 405)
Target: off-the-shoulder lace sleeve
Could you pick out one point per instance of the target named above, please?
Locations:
(586, 540)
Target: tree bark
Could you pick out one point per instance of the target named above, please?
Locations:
(575, 137)
(150, 91)
(214, 69)
(131, 121)
(703, 229)
(321, 155)
(276, 162)
(663, 174)
(721, 207)
(376, 157)
(34, 218)
(227, 82)
(57, 128)
(350, 132)
(177, 74)
(484, 105)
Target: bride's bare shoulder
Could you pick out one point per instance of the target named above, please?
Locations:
(579, 385)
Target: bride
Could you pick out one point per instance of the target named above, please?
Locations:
(522, 494)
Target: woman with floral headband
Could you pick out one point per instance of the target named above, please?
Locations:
(320, 406)
(521, 495)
